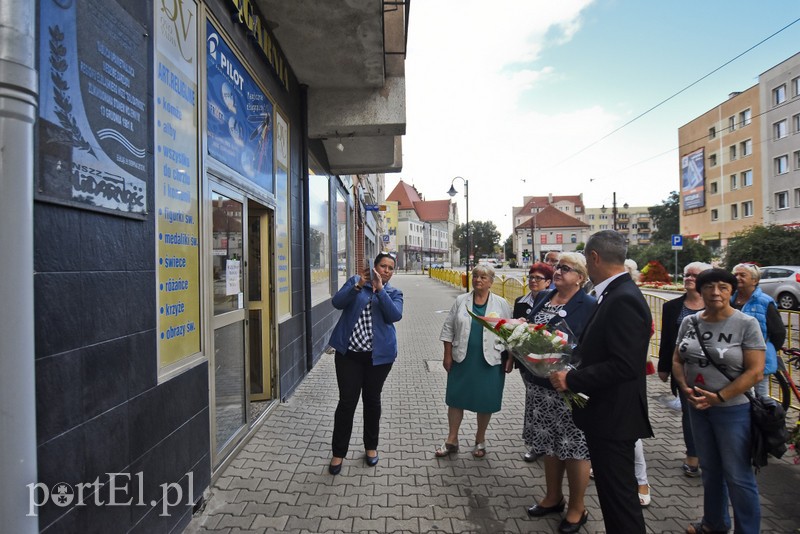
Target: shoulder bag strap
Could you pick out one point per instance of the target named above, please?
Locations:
(708, 356)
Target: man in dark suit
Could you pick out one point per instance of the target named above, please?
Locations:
(612, 355)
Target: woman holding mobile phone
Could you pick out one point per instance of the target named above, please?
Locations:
(366, 347)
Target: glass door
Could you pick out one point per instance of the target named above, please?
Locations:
(259, 307)
(229, 382)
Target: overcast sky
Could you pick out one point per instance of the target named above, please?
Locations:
(511, 90)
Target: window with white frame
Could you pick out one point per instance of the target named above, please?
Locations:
(782, 164)
(734, 211)
(731, 124)
(797, 197)
(796, 159)
(782, 200)
(796, 86)
(714, 188)
(734, 184)
(746, 147)
(779, 95)
(714, 215)
(796, 123)
(745, 117)
(747, 208)
(732, 152)
(779, 129)
(747, 178)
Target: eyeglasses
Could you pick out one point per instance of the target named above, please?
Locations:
(387, 254)
(563, 268)
(690, 275)
(537, 278)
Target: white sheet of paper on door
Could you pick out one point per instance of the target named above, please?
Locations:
(232, 268)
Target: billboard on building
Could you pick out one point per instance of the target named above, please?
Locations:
(693, 189)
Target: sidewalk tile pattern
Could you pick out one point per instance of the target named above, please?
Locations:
(279, 482)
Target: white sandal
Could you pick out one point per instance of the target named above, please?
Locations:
(480, 450)
(645, 498)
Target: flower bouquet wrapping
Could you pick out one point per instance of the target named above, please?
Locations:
(539, 348)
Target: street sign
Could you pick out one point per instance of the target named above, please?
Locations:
(372, 207)
(385, 238)
(677, 242)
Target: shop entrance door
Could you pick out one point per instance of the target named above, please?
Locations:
(259, 308)
(229, 364)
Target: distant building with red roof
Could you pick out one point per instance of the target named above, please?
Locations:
(423, 228)
(545, 223)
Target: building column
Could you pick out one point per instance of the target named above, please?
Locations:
(18, 89)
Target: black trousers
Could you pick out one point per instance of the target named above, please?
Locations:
(615, 480)
(357, 377)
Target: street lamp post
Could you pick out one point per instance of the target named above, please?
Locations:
(452, 192)
(533, 237)
(614, 210)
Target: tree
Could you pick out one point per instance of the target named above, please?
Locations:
(666, 217)
(484, 236)
(508, 248)
(764, 245)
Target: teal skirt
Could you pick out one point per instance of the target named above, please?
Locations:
(473, 384)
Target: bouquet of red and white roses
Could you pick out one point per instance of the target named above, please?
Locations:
(539, 348)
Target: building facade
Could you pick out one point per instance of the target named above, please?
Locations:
(779, 92)
(191, 184)
(721, 170)
(545, 223)
(634, 222)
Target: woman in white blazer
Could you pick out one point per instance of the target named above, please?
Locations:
(474, 361)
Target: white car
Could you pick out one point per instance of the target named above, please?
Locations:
(782, 282)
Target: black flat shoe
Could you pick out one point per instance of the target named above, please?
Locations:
(539, 511)
(372, 461)
(531, 456)
(565, 527)
(335, 469)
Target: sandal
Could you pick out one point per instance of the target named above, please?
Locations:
(480, 450)
(698, 528)
(645, 498)
(446, 449)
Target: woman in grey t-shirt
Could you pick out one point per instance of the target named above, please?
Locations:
(719, 411)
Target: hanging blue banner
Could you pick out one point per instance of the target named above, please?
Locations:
(239, 116)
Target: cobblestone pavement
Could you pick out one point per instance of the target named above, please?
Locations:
(279, 482)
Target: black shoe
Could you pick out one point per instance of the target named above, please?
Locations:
(335, 469)
(539, 511)
(531, 456)
(565, 527)
(372, 461)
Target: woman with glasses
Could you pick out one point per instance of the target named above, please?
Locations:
(719, 411)
(473, 361)
(540, 276)
(672, 315)
(751, 300)
(366, 346)
(549, 428)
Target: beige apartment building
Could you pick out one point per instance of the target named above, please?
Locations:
(720, 170)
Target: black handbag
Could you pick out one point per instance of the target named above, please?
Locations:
(768, 432)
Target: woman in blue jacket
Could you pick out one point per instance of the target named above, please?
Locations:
(366, 346)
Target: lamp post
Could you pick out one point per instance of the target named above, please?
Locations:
(613, 210)
(452, 192)
(533, 237)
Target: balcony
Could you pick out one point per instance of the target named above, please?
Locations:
(643, 240)
(644, 230)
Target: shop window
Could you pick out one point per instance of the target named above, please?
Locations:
(343, 266)
(319, 236)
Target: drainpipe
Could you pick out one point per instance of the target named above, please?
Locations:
(18, 97)
(306, 227)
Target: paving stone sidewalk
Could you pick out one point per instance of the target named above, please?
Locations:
(279, 482)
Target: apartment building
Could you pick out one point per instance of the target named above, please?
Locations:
(634, 222)
(779, 91)
(720, 169)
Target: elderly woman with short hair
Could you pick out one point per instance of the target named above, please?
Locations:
(549, 428)
(719, 411)
(751, 300)
(473, 360)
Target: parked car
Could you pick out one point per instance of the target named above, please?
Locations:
(782, 282)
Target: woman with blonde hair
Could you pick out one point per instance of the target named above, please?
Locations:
(549, 429)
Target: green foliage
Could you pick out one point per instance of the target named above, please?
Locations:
(764, 245)
(663, 253)
(484, 237)
(666, 218)
(508, 249)
(580, 246)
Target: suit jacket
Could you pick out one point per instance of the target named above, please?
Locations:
(669, 334)
(612, 359)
